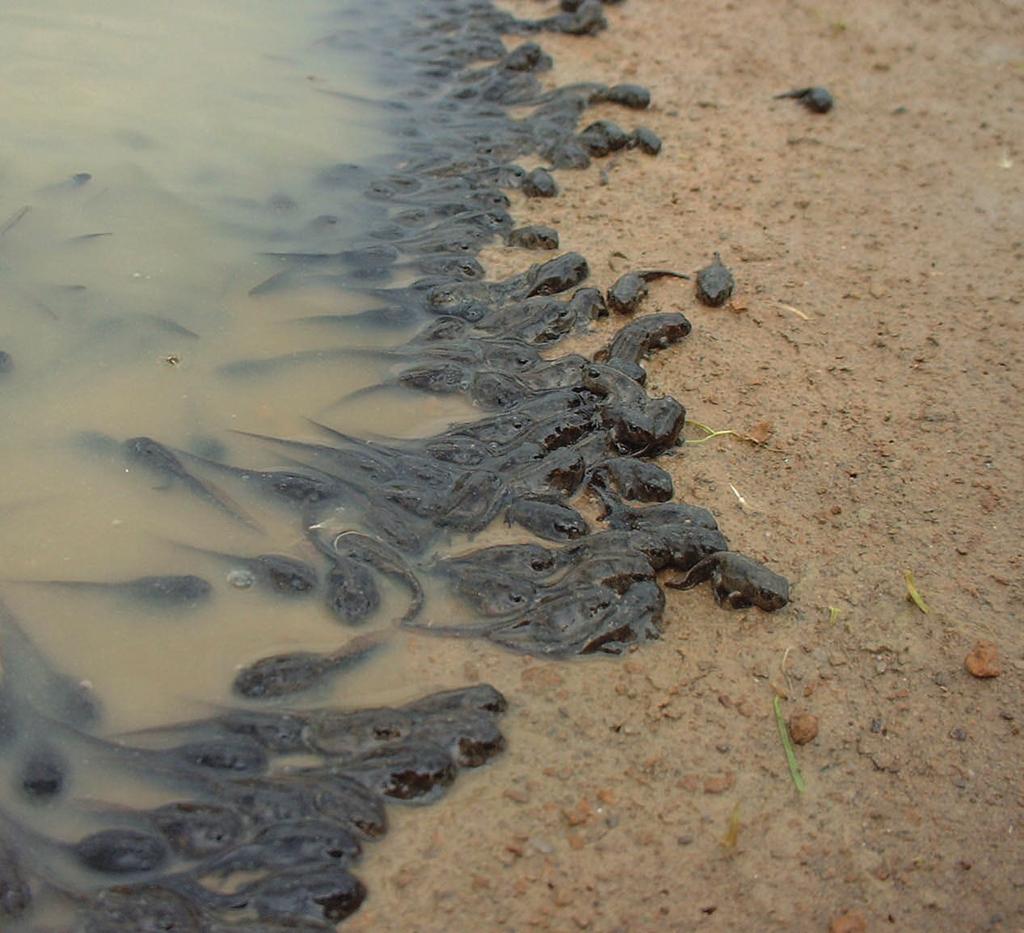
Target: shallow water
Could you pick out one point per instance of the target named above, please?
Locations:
(160, 155)
(150, 165)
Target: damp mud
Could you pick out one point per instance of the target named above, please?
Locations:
(326, 465)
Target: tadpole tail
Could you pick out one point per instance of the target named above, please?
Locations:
(247, 368)
(379, 318)
(603, 495)
(357, 394)
(795, 93)
(356, 444)
(454, 631)
(365, 353)
(390, 562)
(195, 549)
(164, 729)
(687, 581)
(224, 502)
(338, 435)
(171, 467)
(649, 275)
(276, 282)
(284, 442)
(14, 219)
(356, 650)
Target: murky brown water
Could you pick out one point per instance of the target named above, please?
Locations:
(148, 160)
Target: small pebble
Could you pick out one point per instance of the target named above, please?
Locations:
(850, 921)
(983, 661)
(720, 783)
(516, 794)
(803, 727)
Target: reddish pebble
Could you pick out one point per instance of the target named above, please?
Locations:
(983, 661)
(852, 921)
(803, 728)
(720, 783)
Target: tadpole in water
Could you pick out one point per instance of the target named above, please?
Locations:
(43, 774)
(154, 456)
(197, 830)
(289, 844)
(15, 891)
(278, 573)
(30, 676)
(109, 851)
(352, 594)
(285, 674)
(186, 591)
(120, 851)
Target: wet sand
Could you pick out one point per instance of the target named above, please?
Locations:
(876, 328)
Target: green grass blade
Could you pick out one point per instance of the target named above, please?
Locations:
(787, 744)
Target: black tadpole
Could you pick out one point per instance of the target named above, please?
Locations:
(156, 457)
(185, 591)
(815, 99)
(715, 283)
(285, 674)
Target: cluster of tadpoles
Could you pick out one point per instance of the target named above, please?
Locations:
(267, 812)
(289, 795)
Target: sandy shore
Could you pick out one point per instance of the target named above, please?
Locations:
(877, 331)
